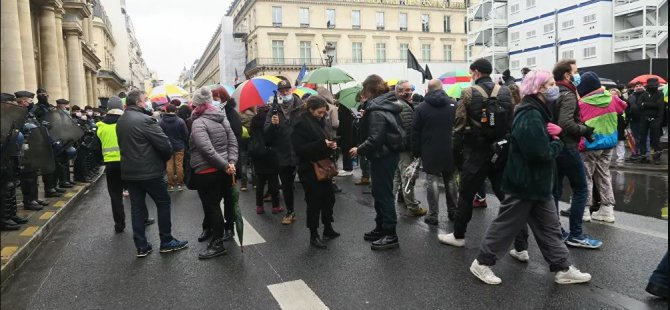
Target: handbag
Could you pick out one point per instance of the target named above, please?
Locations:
(325, 169)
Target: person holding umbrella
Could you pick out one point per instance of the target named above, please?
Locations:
(213, 149)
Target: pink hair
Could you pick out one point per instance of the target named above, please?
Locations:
(200, 110)
(533, 81)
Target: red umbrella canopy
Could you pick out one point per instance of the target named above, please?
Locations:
(643, 78)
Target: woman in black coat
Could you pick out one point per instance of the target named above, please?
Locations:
(311, 144)
(265, 163)
(346, 133)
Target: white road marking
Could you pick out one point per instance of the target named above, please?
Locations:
(251, 236)
(295, 295)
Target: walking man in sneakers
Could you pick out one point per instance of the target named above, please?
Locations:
(569, 163)
(145, 149)
(403, 91)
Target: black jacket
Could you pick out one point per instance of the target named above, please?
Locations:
(381, 127)
(652, 104)
(431, 133)
(270, 163)
(308, 139)
(234, 119)
(346, 128)
(175, 128)
(633, 111)
(144, 146)
(279, 136)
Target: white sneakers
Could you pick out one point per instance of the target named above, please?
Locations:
(605, 214)
(449, 239)
(587, 215)
(484, 273)
(521, 256)
(344, 173)
(571, 276)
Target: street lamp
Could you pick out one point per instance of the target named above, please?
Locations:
(329, 51)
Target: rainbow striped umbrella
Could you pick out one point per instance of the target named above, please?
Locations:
(454, 77)
(160, 93)
(301, 91)
(255, 91)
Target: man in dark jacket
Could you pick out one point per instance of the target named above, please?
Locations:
(651, 111)
(40, 110)
(477, 149)
(175, 128)
(634, 118)
(145, 149)
(284, 111)
(403, 91)
(432, 119)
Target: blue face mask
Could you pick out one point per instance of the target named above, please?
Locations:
(216, 104)
(576, 79)
(551, 94)
(287, 98)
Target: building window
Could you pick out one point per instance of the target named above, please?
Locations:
(514, 37)
(548, 28)
(447, 52)
(425, 22)
(569, 54)
(403, 21)
(568, 24)
(589, 52)
(530, 34)
(531, 61)
(304, 17)
(334, 44)
(356, 19)
(514, 8)
(514, 65)
(357, 52)
(425, 52)
(278, 51)
(380, 20)
(330, 18)
(404, 47)
(530, 4)
(447, 23)
(381, 52)
(305, 52)
(589, 19)
(276, 16)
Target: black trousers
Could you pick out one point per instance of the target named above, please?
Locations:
(50, 180)
(29, 185)
(80, 171)
(272, 180)
(287, 177)
(212, 188)
(320, 199)
(347, 161)
(115, 190)
(63, 169)
(652, 128)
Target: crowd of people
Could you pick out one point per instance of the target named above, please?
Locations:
(525, 138)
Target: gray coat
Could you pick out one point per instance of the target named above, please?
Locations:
(212, 143)
(144, 146)
(407, 121)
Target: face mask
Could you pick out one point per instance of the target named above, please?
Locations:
(83, 118)
(576, 79)
(216, 104)
(551, 94)
(89, 113)
(77, 114)
(97, 114)
(287, 98)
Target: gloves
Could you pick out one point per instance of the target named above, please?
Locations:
(554, 130)
(589, 134)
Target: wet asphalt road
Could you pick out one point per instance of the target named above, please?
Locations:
(85, 265)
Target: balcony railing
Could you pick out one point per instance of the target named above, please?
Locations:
(298, 62)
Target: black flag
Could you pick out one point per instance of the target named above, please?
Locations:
(412, 63)
(427, 75)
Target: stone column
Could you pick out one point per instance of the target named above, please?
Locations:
(74, 67)
(89, 87)
(94, 90)
(11, 59)
(49, 50)
(27, 48)
(65, 91)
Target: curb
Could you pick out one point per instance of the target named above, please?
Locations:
(662, 168)
(23, 253)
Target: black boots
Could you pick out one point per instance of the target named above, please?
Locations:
(214, 248)
(374, 234)
(329, 233)
(205, 235)
(387, 242)
(228, 234)
(8, 224)
(315, 239)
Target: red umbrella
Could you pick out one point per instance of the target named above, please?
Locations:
(643, 78)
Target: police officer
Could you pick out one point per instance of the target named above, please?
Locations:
(41, 109)
(64, 157)
(11, 151)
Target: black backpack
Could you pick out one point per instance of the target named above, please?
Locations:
(490, 120)
(257, 147)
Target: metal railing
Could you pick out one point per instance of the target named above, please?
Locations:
(298, 62)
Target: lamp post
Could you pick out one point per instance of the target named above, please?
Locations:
(329, 52)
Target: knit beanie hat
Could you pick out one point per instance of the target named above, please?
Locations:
(482, 65)
(589, 83)
(114, 105)
(202, 96)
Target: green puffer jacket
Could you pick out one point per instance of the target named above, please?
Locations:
(530, 170)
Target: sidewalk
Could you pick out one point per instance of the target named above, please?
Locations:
(18, 245)
(628, 166)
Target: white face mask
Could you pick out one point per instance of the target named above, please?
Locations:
(89, 113)
(216, 103)
(83, 118)
(77, 114)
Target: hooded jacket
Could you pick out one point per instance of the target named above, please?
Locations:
(212, 143)
(530, 169)
(279, 136)
(599, 109)
(566, 115)
(175, 128)
(381, 129)
(431, 132)
(144, 146)
(652, 104)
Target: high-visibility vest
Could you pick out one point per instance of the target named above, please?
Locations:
(110, 143)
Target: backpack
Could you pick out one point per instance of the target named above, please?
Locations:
(257, 147)
(490, 120)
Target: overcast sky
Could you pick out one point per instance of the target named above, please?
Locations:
(173, 33)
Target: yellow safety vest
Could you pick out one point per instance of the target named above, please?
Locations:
(110, 143)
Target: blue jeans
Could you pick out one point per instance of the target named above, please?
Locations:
(157, 190)
(382, 171)
(660, 275)
(569, 164)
